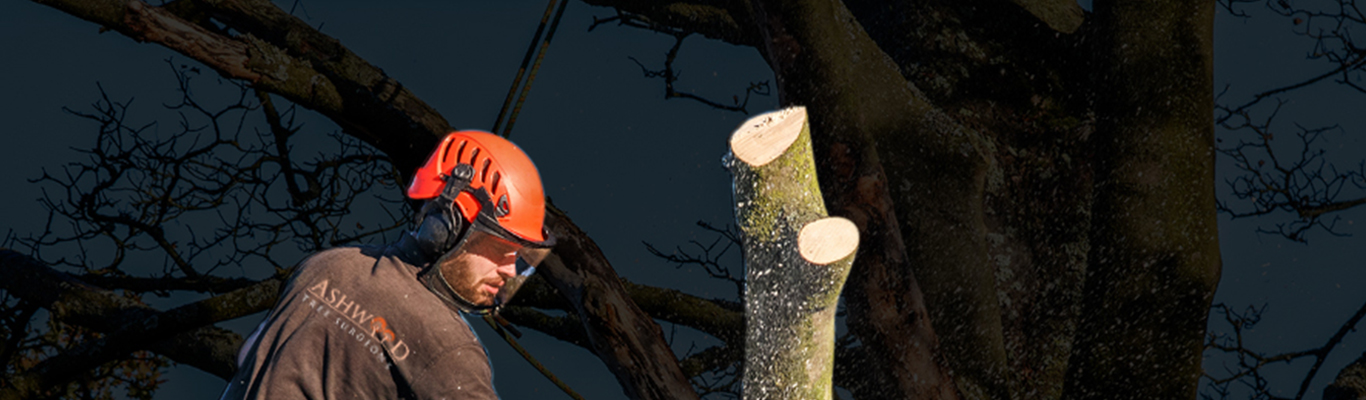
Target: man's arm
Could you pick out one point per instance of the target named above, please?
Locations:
(462, 372)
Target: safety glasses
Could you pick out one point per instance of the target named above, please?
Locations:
(486, 238)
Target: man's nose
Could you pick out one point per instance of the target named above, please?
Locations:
(507, 270)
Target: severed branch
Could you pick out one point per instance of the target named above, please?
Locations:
(567, 328)
(796, 258)
(165, 285)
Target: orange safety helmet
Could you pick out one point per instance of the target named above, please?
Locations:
(501, 169)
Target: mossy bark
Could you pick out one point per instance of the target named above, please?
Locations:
(1350, 383)
(789, 302)
(869, 120)
(1154, 261)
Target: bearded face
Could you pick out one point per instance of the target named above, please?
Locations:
(480, 268)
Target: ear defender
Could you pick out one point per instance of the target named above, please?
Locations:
(440, 227)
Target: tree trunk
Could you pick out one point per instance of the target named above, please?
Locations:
(796, 260)
(1154, 261)
(1350, 383)
(866, 120)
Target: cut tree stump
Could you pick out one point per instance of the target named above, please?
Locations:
(796, 258)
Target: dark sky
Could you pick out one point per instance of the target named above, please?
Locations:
(627, 165)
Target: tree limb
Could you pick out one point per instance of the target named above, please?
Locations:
(304, 66)
(1062, 15)
(202, 284)
(128, 325)
(628, 341)
(729, 21)
(567, 328)
(688, 310)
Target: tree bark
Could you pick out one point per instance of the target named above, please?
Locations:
(1350, 383)
(1154, 262)
(181, 333)
(792, 284)
(862, 108)
(727, 21)
(624, 337)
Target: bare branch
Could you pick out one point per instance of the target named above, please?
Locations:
(709, 256)
(314, 71)
(129, 326)
(1248, 370)
(1295, 178)
(727, 20)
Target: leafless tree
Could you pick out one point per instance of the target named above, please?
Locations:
(1016, 240)
(196, 208)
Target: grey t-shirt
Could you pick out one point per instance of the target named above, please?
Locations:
(355, 323)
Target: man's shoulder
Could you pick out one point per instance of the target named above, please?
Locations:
(343, 255)
(345, 259)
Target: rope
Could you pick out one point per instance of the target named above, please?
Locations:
(512, 91)
(521, 71)
(545, 45)
(513, 342)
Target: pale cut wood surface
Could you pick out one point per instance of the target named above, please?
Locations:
(827, 240)
(766, 136)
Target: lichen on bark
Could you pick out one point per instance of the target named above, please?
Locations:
(790, 302)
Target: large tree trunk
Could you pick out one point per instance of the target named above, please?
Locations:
(796, 260)
(861, 108)
(1155, 246)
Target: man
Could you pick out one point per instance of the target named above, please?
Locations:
(383, 322)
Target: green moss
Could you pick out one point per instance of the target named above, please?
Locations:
(783, 192)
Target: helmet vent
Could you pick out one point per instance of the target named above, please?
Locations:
(496, 177)
(484, 172)
(474, 155)
(446, 152)
(460, 151)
